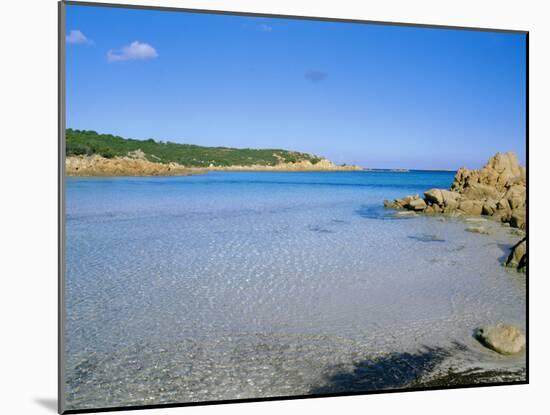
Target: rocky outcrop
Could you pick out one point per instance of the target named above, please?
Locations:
(443, 198)
(518, 256)
(133, 165)
(502, 338)
(500, 173)
(498, 189)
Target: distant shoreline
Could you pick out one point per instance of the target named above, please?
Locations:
(407, 170)
(387, 170)
(98, 166)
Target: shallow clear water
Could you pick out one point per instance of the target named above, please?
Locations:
(246, 285)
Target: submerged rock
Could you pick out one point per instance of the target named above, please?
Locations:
(477, 229)
(518, 256)
(405, 213)
(502, 338)
(475, 220)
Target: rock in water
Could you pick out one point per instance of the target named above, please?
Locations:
(518, 257)
(502, 338)
(477, 229)
(416, 204)
(405, 213)
(498, 189)
(391, 204)
(475, 220)
(441, 197)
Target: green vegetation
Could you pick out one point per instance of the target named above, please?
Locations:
(82, 142)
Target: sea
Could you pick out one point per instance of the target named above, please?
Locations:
(243, 285)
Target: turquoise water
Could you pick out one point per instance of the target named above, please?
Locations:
(245, 285)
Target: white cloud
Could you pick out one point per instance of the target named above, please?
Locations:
(77, 37)
(264, 28)
(134, 51)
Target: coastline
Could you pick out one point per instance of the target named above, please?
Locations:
(98, 166)
(370, 170)
(132, 166)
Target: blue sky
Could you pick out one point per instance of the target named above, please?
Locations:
(372, 95)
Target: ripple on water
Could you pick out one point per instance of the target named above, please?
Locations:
(179, 293)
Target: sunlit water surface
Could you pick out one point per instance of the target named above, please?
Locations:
(246, 285)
